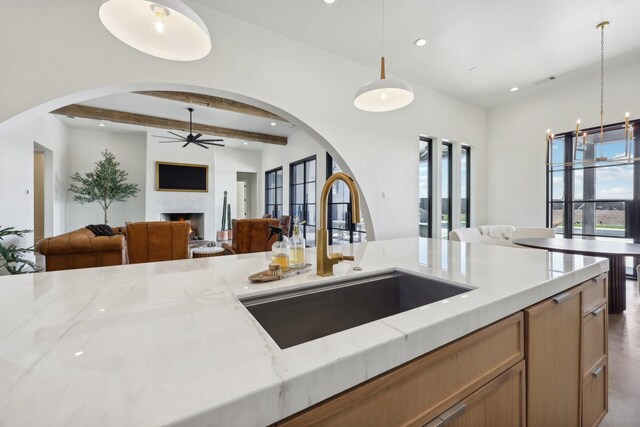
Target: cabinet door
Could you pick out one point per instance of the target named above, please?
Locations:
(501, 403)
(553, 353)
(595, 396)
(594, 339)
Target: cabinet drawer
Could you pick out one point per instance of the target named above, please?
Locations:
(501, 403)
(594, 339)
(418, 391)
(594, 293)
(594, 396)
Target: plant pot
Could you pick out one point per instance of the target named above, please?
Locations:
(222, 235)
(229, 234)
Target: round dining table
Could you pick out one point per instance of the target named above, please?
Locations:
(614, 251)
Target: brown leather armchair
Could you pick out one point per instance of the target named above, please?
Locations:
(157, 241)
(251, 235)
(82, 249)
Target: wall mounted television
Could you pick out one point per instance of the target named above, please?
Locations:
(182, 177)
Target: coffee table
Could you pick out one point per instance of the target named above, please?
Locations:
(614, 251)
(206, 251)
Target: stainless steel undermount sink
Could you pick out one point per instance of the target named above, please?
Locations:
(297, 316)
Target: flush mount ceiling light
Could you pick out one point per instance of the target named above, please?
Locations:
(420, 42)
(167, 29)
(384, 94)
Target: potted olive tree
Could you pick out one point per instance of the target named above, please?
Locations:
(105, 184)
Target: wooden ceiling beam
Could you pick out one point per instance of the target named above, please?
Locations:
(86, 112)
(214, 102)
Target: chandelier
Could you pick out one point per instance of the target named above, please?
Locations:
(592, 149)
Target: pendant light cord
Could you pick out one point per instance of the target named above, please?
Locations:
(383, 28)
(601, 86)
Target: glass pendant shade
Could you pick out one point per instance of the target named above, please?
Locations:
(166, 29)
(384, 94)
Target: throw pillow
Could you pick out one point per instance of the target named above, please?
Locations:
(100, 230)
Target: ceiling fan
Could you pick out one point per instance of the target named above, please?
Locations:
(191, 138)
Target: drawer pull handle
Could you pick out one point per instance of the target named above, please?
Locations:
(453, 412)
(597, 312)
(596, 372)
(562, 297)
(436, 422)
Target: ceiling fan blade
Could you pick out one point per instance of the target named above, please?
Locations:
(210, 140)
(186, 144)
(211, 143)
(179, 136)
(163, 136)
(173, 140)
(197, 136)
(201, 145)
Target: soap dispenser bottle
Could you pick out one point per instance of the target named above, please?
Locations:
(296, 246)
(280, 249)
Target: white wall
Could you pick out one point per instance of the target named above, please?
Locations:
(85, 149)
(16, 180)
(305, 84)
(516, 140)
(229, 161)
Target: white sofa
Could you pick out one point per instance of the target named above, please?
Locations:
(502, 235)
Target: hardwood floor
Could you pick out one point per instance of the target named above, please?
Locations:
(624, 364)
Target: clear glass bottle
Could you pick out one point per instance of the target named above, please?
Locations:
(280, 249)
(296, 246)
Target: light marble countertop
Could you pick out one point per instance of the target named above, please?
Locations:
(169, 343)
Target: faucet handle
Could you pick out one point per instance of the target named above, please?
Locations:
(348, 258)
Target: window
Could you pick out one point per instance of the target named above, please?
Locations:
(341, 230)
(590, 186)
(424, 187)
(465, 186)
(302, 196)
(273, 192)
(447, 166)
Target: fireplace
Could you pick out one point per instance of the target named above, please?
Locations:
(196, 220)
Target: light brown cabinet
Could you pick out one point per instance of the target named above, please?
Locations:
(417, 392)
(501, 403)
(544, 366)
(566, 343)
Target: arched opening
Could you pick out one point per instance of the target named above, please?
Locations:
(61, 215)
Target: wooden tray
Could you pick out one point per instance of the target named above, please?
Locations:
(264, 276)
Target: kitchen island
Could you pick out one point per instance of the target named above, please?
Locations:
(170, 343)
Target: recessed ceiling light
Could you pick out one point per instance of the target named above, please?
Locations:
(246, 143)
(420, 42)
(329, 1)
(78, 353)
(515, 89)
(473, 68)
(273, 123)
(101, 125)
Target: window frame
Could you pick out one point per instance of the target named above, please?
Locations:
(275, 188)
(305, 204)
(429, 142)
(449, 187)
(351, 228)
(467, 149)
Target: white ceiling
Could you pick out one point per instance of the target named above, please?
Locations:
(511, 42)
(158, 107)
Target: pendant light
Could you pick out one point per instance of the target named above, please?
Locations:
(581, 141)
(167, 29)
(384, 94)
